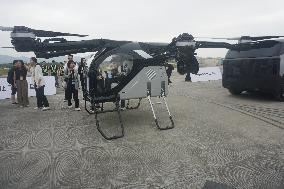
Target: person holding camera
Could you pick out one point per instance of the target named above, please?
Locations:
(72, 84)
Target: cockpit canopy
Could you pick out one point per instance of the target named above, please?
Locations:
(116, 65)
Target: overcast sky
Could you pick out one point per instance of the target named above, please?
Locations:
(145, 20)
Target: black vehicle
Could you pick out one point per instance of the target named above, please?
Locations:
(260, 69)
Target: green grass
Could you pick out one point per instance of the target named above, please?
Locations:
(3, 72)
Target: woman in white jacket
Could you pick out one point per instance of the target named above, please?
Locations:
(39, 84)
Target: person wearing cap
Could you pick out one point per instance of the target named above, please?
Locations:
(39, 84)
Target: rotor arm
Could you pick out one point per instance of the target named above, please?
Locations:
(68, 45)
(59, 53)
(48, 50)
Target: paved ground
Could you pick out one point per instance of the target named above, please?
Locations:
(237, 141)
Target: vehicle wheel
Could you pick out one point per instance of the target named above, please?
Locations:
(280, 96)
(235, 91)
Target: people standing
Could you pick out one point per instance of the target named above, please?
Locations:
(60, 74)
(21, 83)
(11, 81)
(39, 84)
(44, 67)
(70, 58)
(81, 71)
(54, 69)
(169, 70)
(49, 72)
(72, 81)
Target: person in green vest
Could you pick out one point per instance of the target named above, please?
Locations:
(44, 68)
(53, 67)
(60, 73)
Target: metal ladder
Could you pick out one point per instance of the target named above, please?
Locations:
(154, 114)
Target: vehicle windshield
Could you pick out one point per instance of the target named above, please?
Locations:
(116, 65)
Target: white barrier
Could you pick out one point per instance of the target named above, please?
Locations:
(50, 89)
(207, 74)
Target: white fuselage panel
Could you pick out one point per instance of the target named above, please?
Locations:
(152, 77)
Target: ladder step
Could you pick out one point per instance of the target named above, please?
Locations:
(155, 117)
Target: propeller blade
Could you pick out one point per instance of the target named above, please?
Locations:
(7, 47)
(264, 37)
(2, 28)
(43, 33)
(244, 38)
(231, 38)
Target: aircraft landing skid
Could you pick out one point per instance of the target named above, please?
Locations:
(117, 109)
(100, 110)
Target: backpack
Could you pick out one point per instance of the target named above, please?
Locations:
(10, 77)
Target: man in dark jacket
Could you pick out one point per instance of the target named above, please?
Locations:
(81, 71)
(11, 81)
(21, 83)
(169, 70)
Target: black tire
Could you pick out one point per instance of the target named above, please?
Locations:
(235, 91)
(280, 96)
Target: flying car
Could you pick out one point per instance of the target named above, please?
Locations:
(121, 71)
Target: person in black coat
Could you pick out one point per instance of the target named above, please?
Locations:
(169, 71)
(81, 70)
(12, 82)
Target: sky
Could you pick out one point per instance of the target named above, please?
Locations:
(145, 20)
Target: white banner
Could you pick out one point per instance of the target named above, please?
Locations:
(49, 89)
(207, 74)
